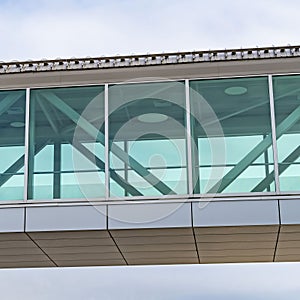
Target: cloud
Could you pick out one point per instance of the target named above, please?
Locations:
(211, 282)
(37, 29)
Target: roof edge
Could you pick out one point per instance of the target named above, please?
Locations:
(149, 59)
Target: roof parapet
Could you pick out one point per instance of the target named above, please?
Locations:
(148, 59)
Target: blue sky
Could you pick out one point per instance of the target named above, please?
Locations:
(35, 29)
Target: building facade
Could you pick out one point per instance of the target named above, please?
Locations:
(151, 159)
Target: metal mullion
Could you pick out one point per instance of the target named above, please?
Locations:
(274, 135)
(188, 137)
(26, 150)
(106, 143)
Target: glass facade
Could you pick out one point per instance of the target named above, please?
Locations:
(287, 112)
(232, 135)
(66, 158)
(147, 137)
(154, 139)
(12, 150)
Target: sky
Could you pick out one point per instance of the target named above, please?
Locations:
(36, 29)
(218, 282)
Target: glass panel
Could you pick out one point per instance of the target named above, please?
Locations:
(231, 135)
(12, 133)
(287, 112)
(66, 153)
(147, 138)
(88, 187)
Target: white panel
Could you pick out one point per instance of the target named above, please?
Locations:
(12, 220)
(65, 218)
(152, 215)
(235, 213)
(290, 211)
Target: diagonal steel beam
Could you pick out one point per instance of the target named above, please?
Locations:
(99, 136)
(47, 114)
(87, 153)
(258, 150)
(18, 164)
(286, 163)
(9, 100)
(5, 104)
(100, 164)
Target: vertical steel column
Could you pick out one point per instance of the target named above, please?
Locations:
(266, 163)
(195, 158)
(126, 166)
(57, 170)
(273, 128)
(106, 143)
(26, 153)
(189, 137)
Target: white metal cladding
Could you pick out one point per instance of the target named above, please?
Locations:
(221, 232)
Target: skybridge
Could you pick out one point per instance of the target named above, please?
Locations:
(174, 158)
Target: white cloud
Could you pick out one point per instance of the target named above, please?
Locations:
(211, 282)
(36, 29)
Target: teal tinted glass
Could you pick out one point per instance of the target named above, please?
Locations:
(287, 113)
(147, 138)
(231, 136)
(12, 133)
(66, 153)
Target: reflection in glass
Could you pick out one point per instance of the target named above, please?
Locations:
(231, 134)
(147, 138)
(287, 112)
(66, 153)
(12, 133)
